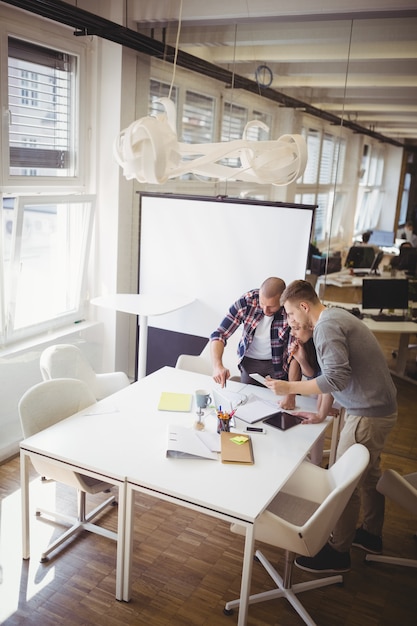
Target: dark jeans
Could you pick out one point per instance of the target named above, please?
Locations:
(255, 366)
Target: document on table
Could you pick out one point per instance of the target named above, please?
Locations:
(186, 443)
(256, 409)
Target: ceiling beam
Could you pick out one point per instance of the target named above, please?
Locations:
(86, 23)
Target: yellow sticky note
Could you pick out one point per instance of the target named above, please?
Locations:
(239, 439)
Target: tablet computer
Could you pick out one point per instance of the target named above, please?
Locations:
(283, 420)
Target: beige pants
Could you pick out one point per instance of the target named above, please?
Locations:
(372, 432)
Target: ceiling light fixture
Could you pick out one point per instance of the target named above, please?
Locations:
(149, 151)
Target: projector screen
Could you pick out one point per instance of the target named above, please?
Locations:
(214, 250)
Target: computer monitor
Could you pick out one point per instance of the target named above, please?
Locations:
(382, 238)
(384, 293)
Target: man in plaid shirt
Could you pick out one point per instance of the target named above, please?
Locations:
(266, 343)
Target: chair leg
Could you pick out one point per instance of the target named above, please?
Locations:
(391, 560)
(82, 522)
(284, 587)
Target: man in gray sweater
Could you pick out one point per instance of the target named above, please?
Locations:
(353, 369)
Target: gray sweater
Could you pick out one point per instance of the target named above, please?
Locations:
(353, 366)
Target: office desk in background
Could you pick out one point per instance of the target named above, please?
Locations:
(342, 287)
(133, 457)
(404, 330)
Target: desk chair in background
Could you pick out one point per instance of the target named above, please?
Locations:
(68, 361)
(42, 406)
(403, 491)
(300, 520)
(360, 256)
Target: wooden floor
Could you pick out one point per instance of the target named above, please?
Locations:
(187, 565)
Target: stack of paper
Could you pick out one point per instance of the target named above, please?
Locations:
(186, 443)
(256, 409)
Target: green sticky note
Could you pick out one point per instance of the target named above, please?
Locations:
(239, 439)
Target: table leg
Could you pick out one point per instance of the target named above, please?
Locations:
(246, 574)
(24, 489)
(121, 535)
(128, 542)
(337, 425)
(143, 345)
(401, 361)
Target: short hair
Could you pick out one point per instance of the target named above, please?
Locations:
(272, 287)
(366, 236)
(298, 291)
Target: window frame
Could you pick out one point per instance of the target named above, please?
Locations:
(80, 103)
(8, 297)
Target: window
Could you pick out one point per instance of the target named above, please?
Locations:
(370, 192)
(234, 121)
(197, 118)
(255, 133)
(313, 140)
(159, 90)
(325, 165)
(46, 242)
(41, 110)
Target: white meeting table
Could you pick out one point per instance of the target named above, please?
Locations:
(123, 439)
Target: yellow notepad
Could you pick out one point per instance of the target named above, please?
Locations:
(170, 401)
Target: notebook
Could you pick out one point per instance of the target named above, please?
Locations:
(170, 401)
(253, 408)
(256, 409)
(236, 448)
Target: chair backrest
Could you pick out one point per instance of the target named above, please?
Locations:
(202, 362)
(360, 256)
(51, 401)
(66, 361)
(400, 489)
(46, 404)
(344, 476)
(306, 510)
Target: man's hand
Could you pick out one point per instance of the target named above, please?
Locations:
(309, 417)
(220, 375)
(288, 403)
(279, 387)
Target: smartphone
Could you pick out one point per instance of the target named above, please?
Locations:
(259, 379)
(283, 420)
(256, 430)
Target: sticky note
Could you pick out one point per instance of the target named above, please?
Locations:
(239, 439)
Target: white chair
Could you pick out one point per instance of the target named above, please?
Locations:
(403, 491)
(68, 361)
(201, 363)
(300, 520)
(42, 406)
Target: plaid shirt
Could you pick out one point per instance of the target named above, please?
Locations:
(248, 312)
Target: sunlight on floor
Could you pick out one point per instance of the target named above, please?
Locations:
(21, 580)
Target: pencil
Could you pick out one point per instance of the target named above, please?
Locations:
(293, 351)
